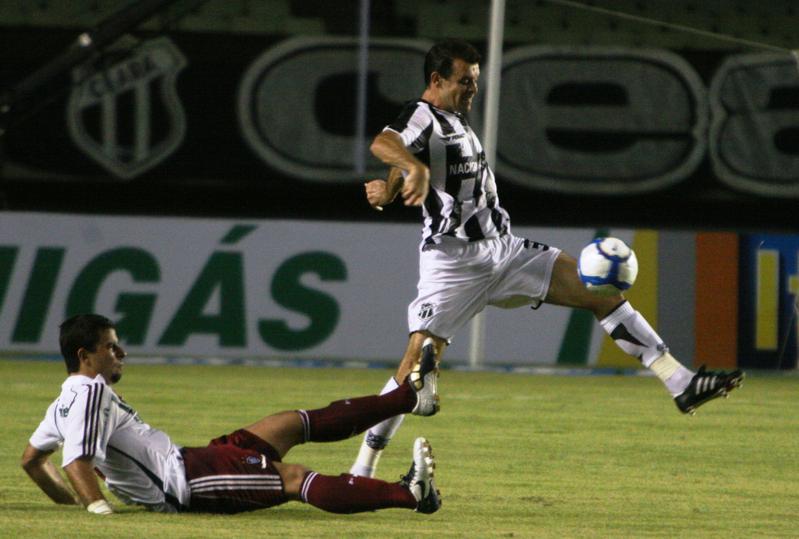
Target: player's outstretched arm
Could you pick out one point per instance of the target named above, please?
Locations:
(43, 472)
(81, 474)
(389, 148)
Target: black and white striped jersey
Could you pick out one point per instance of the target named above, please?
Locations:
(140, 464)
(463, 200)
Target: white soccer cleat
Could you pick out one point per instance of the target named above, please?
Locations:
(424, 381)
(419, 479)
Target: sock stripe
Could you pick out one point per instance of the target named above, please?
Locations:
(306, 485)
(306, 424)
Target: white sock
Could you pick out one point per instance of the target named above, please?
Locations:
(376, 439)
(672, 373)
(633, 334)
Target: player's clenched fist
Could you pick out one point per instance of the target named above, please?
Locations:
(377, 193)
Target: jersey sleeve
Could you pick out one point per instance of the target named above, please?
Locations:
(414, 125)
(46, 436)
(85, 423)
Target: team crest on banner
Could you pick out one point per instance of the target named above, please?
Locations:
(127, 116)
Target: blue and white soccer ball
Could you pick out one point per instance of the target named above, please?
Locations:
(607, 266)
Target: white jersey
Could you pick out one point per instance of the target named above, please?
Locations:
(463, 202)
(141, 465)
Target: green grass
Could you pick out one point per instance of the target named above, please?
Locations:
(518, 455)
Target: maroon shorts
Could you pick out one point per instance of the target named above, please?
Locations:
(234, 473)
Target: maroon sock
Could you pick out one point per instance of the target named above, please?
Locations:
(352, 494)
(345, 418)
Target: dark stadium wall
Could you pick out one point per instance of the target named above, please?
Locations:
(659, 144)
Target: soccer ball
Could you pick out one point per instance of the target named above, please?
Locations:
(607, 266)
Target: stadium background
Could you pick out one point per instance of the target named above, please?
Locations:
(225, 133)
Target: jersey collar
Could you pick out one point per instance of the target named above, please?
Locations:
(80, 379)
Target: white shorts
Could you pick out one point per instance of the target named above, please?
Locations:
(458, 279)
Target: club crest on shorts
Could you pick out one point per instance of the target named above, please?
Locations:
(253, 460)
(426, 311)
(126, 115)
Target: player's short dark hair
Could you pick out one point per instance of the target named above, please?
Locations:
(81, 331)
(443, 54)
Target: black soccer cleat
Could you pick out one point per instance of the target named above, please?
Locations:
(706, 386)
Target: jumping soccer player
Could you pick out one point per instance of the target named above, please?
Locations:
(241, 471)
(468, 256)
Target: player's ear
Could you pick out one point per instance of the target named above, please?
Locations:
(435, 78)
(82, 354)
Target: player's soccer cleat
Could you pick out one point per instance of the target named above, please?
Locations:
(424, 381)
(706, 386)
(419, 479)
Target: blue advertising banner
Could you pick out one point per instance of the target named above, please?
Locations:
(769, 282)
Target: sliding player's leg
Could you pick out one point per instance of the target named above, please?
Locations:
(348, 493)
(240, 472)
(345, 418)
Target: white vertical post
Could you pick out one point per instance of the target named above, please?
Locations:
(359, 149)
(492, 77)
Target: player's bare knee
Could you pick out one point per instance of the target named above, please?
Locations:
(293, 476)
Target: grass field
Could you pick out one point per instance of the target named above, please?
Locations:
(518, 455)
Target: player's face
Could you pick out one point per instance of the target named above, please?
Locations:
(458, 90)
(107, 357)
